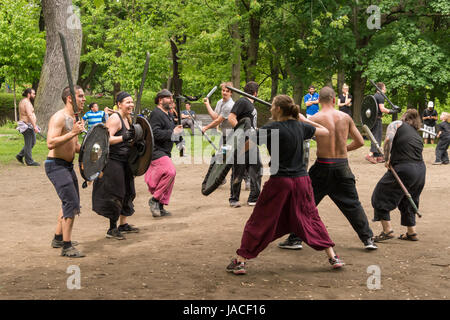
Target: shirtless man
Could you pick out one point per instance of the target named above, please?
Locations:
(28, 127)
(62, 141)
(331, 174)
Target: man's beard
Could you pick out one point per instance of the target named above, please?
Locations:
(166, 106)
(31, 99)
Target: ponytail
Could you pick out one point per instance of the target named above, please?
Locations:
(295, 110)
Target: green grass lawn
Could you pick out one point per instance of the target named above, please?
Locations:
(11, 142)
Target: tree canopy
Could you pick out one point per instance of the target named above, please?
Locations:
(285, 45)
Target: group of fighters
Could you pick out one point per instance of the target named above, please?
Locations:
(288, 201)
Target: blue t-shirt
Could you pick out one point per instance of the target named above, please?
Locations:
(93, 118)
(186, 113)
(314, 108)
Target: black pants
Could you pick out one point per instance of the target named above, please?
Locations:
(338, 182)
(114, 192)
(388, 195)
(254, 173)
(377, 131)
(441, 150)
(30, 140)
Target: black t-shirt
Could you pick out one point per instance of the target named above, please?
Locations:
(407, 145)
(428, 113)
(380, 100)
(244, 108)
(162, 125)
(346, 109)
(445, 128)
(289, 135)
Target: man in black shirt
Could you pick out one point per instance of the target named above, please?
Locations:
(403, 150)
(429, 118)
(444, 139)
(160, 176)
(244, 108)
(377, 130)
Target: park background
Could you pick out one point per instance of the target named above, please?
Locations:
(283, 45)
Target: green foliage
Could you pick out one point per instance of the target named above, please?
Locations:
(300, 42)
(22, 45)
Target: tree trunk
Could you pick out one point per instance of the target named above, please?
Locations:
(116, 90)
(53, 75)
(15, 101)
(274, 74)
(394, 95)
(85, 82)
(236, 66)
(340, 80)
(297, 95)
(255, 26)
(411, 100)
(359, 84)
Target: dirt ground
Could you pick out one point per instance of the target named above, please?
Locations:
(184, 256)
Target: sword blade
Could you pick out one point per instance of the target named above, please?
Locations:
(429, 132)
(381, 92)
(203, 133)
(141, 88)
(372, 138)
(69, 74)
(245, 94)
(211, 92)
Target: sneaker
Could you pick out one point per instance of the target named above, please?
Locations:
(154, 208)
(235, 204)
(445, 162)
(369, 244)
(20, 159)
(236, 267)
(371, 159)
(128, 228)
(71, 252)
(251, 203)
(165, 213)
(336, 263)
(34, 164)
(291, 243)
(380, 160)
(115, 234)
(60, 243)
(437, 162)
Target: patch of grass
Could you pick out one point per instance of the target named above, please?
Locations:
(11, 142)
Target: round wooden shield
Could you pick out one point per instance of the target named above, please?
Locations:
(142, 148)
(94, 152)
(221, 163)
(369, 111)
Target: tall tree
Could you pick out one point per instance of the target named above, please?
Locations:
(59, 16)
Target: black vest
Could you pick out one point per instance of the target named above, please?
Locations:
(120, 151)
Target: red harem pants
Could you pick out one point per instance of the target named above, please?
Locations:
(160, 178)
(285, 205)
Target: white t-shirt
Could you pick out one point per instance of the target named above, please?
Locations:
(223, 109)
